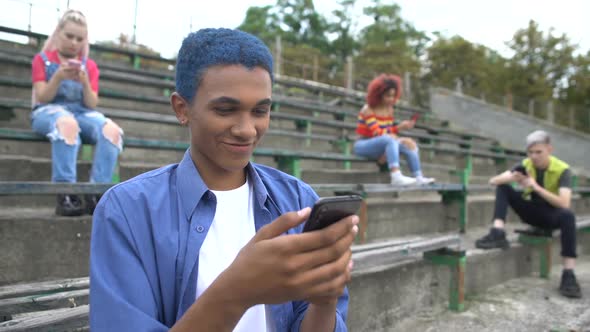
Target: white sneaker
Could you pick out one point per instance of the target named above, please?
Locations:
(423, 180)
(402, 180)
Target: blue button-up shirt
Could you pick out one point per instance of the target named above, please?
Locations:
(146, 237)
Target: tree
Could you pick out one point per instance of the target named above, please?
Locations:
(480, 70)
(540, 62)
(577, 91)
(390, 44)
(344, 44)
(390, 28)
(576, 95)
(302, 24)
(262, 22)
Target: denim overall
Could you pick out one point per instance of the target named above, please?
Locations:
(69, 101)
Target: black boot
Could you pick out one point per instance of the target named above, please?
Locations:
(496, 238)
(91, 202)
(569, 286)
(69, 206)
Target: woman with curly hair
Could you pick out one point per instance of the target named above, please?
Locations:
(378, 135)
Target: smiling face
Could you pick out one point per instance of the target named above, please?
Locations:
(71, 39)
(228, 117)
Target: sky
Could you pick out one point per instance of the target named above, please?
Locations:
(162, 25)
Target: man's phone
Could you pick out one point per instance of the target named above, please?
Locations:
(520, 169)
(415, 117)
(328, 210)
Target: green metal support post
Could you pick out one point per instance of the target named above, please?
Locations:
(289, 165)
(306, 126)
(344, 145)
(544, 244)
(500, 161)
(136, 62)
(456, 260)
(460, 197)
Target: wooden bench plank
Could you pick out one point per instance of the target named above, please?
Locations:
(385, 253)
(43, 287)
(71, 319)
(45, 301)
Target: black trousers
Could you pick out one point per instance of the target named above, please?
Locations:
(539, 214)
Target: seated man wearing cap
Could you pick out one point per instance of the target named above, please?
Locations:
(545, 203)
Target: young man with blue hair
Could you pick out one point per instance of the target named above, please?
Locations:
(214, 243)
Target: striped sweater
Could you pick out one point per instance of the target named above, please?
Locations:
(371, 125)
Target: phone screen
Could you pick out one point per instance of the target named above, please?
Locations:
(328, 210)
(520, 169)
(74, 63)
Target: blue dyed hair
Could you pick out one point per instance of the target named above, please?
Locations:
(211, 47)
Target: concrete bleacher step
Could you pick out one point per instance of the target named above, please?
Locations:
(118, 74)
(23, 168)
(386, 294)
(37, 244)
(432, 160)
(161, 156)
(524, 304)
(439, 172)
(384, 297)
(155, 90)
(281, 133)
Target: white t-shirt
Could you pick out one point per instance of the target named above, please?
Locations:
(232, 228)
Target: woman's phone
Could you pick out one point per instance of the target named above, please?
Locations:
(328, 210)
(415, 117)
(74, 63)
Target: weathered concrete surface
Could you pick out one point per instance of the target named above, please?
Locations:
(36, 245)
(526, 304)
(413, 296)
(508, 127)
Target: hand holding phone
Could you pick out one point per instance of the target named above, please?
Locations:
(328, 210)
(74, 63)
(520, 169)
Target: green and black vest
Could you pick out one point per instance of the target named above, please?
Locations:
(552, 173)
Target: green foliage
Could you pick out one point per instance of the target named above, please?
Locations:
(540, 62)
(344, 44)
(480, 70)
(578, 84)
(388, 45)
(262, 22)
(390, 28)
(543, 67)
(302, 24)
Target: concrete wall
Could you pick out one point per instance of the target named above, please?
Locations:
(509, 127)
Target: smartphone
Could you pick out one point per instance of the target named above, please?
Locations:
(415, 117)
(520, 169)
(328, 210)
(74, 63)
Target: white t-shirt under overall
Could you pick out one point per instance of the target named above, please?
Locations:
(232, 228)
